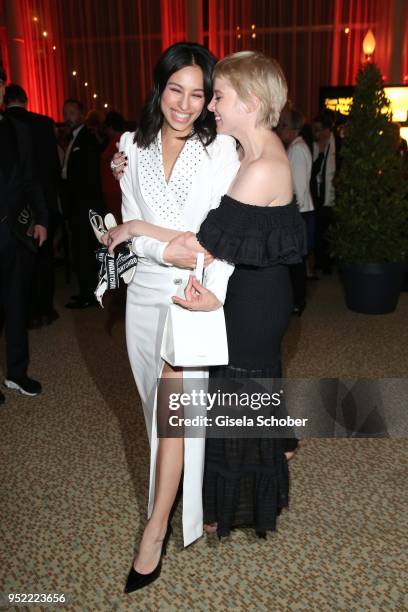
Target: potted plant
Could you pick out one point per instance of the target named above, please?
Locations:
(369, 236)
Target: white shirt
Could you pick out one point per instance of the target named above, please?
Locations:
(68, 151)
(300, 160)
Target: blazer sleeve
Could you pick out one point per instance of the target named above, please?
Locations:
(142, 246)
(225, 165)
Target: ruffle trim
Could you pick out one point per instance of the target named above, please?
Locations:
(227, 500)
(254, 235)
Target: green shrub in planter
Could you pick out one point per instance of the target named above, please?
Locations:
(371, 211)
(369, 236)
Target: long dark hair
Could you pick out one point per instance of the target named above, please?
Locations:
(175, 58)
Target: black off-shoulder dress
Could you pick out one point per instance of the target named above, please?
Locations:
(246, 481)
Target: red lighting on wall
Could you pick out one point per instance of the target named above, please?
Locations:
(317, 47)
(42, 72)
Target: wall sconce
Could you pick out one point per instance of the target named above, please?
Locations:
(369, 45)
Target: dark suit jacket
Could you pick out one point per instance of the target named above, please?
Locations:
(83, 172)
(44, 145)
(19, 185)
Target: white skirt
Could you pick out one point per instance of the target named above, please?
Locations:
(148, 298)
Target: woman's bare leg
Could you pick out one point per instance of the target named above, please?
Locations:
(169, 467)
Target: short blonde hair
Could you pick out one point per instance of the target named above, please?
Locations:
(252, 73)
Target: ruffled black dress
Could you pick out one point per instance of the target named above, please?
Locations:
(246, 481)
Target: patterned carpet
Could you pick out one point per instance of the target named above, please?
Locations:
(74, 466)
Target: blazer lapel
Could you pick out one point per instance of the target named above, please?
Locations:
(153, 188)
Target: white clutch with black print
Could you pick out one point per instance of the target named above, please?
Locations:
(195, 339)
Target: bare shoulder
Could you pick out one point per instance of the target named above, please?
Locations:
(265, 181)
(266, 169)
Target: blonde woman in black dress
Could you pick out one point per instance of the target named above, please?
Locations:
(258, 228)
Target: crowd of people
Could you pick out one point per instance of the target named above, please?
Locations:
(51, 174)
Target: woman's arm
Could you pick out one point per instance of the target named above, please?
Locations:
(143, 228)
(180, 250)
(135, 228)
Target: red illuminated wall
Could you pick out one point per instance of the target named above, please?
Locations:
(113, 45)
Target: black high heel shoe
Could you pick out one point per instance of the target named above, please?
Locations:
(136, 581)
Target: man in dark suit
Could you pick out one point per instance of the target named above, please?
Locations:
(22, 212)
(82, 189)
(48, 170)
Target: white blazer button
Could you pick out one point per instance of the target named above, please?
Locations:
(178, 281)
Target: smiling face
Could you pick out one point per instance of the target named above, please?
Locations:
(183, 100)
(229, 110)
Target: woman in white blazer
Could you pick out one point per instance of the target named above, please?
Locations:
(178, 169)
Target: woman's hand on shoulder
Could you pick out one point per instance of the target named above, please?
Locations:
(197, 297)
(118, 164)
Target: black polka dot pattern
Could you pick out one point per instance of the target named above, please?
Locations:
(169, 199)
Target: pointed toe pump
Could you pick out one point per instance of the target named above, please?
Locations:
(136, 581)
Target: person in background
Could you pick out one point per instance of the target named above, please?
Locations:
(63, 136)
(82, 191)
(114, 126)
(322, 188)
(47, 167)
(94, 123)
(289, 128)
(307, 134)
(23, 222)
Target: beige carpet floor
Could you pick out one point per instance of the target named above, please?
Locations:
(74, 465)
